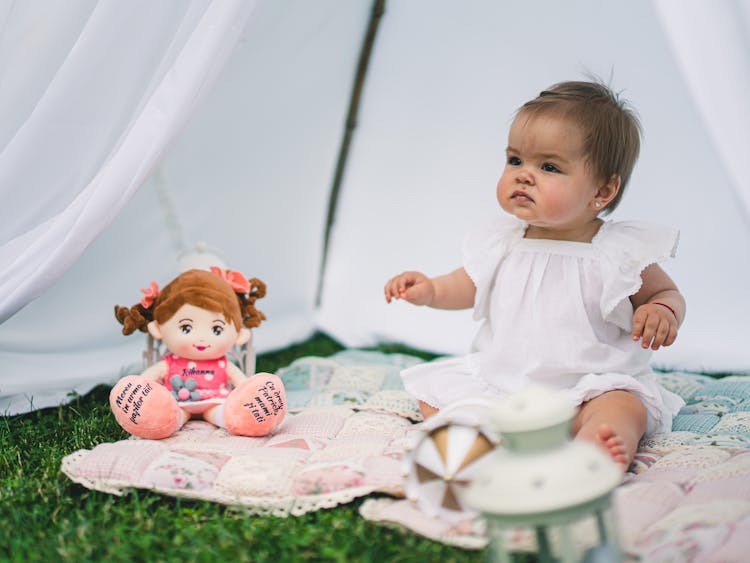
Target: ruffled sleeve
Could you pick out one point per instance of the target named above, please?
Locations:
(627, 248)
(483, 250)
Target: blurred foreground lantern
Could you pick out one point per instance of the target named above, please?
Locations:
(543, 480)
(445, 455)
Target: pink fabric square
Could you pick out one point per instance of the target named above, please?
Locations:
(315, 423)
(351, 448)
(321, 479)
(123, 461)
(383, 472)
(192, 431)
(236, 445)
(693, 544)
(295, 441)
(678, 476)
(184, 470)
(737, 488)
(638, 505)
(737, 545)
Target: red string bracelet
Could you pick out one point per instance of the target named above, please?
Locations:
(668, 307)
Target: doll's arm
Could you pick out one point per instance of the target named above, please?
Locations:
(659, 309)
(156, 372)
(450, 291)
(234, 374)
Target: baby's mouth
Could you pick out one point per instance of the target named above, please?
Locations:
(521, 196)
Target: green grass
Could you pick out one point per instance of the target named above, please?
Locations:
(46, 517)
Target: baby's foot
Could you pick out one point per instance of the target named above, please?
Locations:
(256, 406)
(145, 408)
(613, 444)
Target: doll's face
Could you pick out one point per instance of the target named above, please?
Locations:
(198, 334)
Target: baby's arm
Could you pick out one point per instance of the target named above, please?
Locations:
(450, 291)
(659, 309)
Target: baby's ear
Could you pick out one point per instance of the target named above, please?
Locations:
(243, 336)
(154, 330)
(609, 190)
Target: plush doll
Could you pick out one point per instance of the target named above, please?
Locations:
(199, 316)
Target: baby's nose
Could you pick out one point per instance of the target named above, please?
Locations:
(525, 177)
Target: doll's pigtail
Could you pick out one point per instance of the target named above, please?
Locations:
(134, 318)
(252, 317)
(139, 315)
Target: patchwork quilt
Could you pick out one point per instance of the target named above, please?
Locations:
(343, 438)
(686, 496)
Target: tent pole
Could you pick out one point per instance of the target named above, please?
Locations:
(378, 8)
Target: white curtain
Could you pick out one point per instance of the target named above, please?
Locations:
(91, 95)
(249, 175)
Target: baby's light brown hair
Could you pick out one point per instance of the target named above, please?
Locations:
(610, 128)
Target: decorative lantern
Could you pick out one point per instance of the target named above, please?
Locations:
(542, 480)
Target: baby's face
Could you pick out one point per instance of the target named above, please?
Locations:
(546, 181)
(198, 334)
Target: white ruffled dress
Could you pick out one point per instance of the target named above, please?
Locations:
(556, 313)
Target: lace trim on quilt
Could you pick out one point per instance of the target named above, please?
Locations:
(255, 506)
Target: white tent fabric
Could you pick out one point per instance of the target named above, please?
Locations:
(250, 174)
(433, 131)
(711, 66)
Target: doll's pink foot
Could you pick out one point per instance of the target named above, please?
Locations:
(256, 406)
(145, 408)
(613, 444)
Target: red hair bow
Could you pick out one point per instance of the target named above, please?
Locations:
(239, 282)
(149, 294)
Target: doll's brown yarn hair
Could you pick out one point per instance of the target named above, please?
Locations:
(199, 288)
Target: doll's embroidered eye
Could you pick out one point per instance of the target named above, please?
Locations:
(218, 330)
(186, 328)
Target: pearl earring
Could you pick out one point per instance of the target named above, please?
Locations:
(597, 204)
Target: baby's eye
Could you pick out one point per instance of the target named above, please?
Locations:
(218, 330)
(186, 329)
(548, 167)
(514, 161)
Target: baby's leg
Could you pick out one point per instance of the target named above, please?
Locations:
(427, 410)
(614, 421)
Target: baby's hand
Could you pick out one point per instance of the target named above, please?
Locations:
(415, 287)
(654, 325)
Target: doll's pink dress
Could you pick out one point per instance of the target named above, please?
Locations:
(555, 313)
(210, 375)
